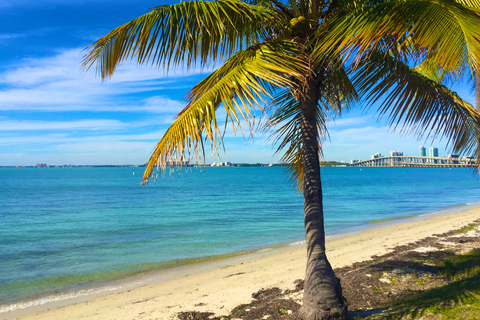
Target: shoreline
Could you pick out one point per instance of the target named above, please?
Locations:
(174, 269)
(94, 290)
(238, 276)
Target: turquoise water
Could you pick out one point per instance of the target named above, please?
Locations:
(63, 228)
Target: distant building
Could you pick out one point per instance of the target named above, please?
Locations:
(376, 156)
(433, 152)
(422, 152)
(42, 165)
(221, 164)
(178, 163)
(396, 154)
(354, 161)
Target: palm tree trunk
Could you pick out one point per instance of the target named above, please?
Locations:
(477, 106)
(322, 297)
(477, 90)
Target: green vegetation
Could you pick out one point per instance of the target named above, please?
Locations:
(465, 229)
(393, 281)
(331, 163)
(457, 298)
(282, 311)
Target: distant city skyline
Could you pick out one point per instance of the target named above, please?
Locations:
(433, 152)
(53, 112)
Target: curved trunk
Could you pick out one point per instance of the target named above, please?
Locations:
(322, 297)
(477, 106)
(477, 91)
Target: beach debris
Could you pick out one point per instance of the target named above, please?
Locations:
(234, 274)
(425, 249)
(195, 315)
(376, 286)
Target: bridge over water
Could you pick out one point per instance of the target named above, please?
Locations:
(416, 161)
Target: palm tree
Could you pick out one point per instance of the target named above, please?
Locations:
(300, 63)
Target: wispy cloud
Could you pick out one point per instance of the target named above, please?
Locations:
(16, 125)
(61, 148)
(8, 36)
(345, 122)
(58, 83)
(136, 107)
(5, 38)
(19, 3)
(69, 147)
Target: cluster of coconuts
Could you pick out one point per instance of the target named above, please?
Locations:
(295, 25)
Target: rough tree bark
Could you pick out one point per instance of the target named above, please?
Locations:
(477, 91)
(477, 106)
(323, 297)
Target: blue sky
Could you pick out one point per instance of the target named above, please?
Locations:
(51, 111)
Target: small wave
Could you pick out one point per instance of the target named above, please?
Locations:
(473, 204)
(54, 298)
(297, 243)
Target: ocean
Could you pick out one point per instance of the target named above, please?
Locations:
(64, 230)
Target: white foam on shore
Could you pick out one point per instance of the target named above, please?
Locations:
(297, 243)
(54, 298)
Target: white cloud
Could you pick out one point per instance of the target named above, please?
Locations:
(30, 3)
(47, 138)
(9, 36)
(6, 37)
(63, 148)
(15, 125)
(58, 83)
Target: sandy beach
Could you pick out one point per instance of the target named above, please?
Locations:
(220, 287)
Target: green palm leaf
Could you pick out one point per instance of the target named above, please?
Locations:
(333, 96)
(241, 85)
(417, 103)
(455, 39)
(181, 34)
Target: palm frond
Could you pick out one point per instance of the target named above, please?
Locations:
(182, 34)
(455, 39)
(416, 103)
(332, 96)
(287, 137)
(432, 71)
(469, 3)
(241, 85)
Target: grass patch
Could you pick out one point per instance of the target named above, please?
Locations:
(457, 298)
(466, 229)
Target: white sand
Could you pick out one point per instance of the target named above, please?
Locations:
(221, 289)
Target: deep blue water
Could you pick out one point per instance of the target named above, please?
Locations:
(60, 227)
